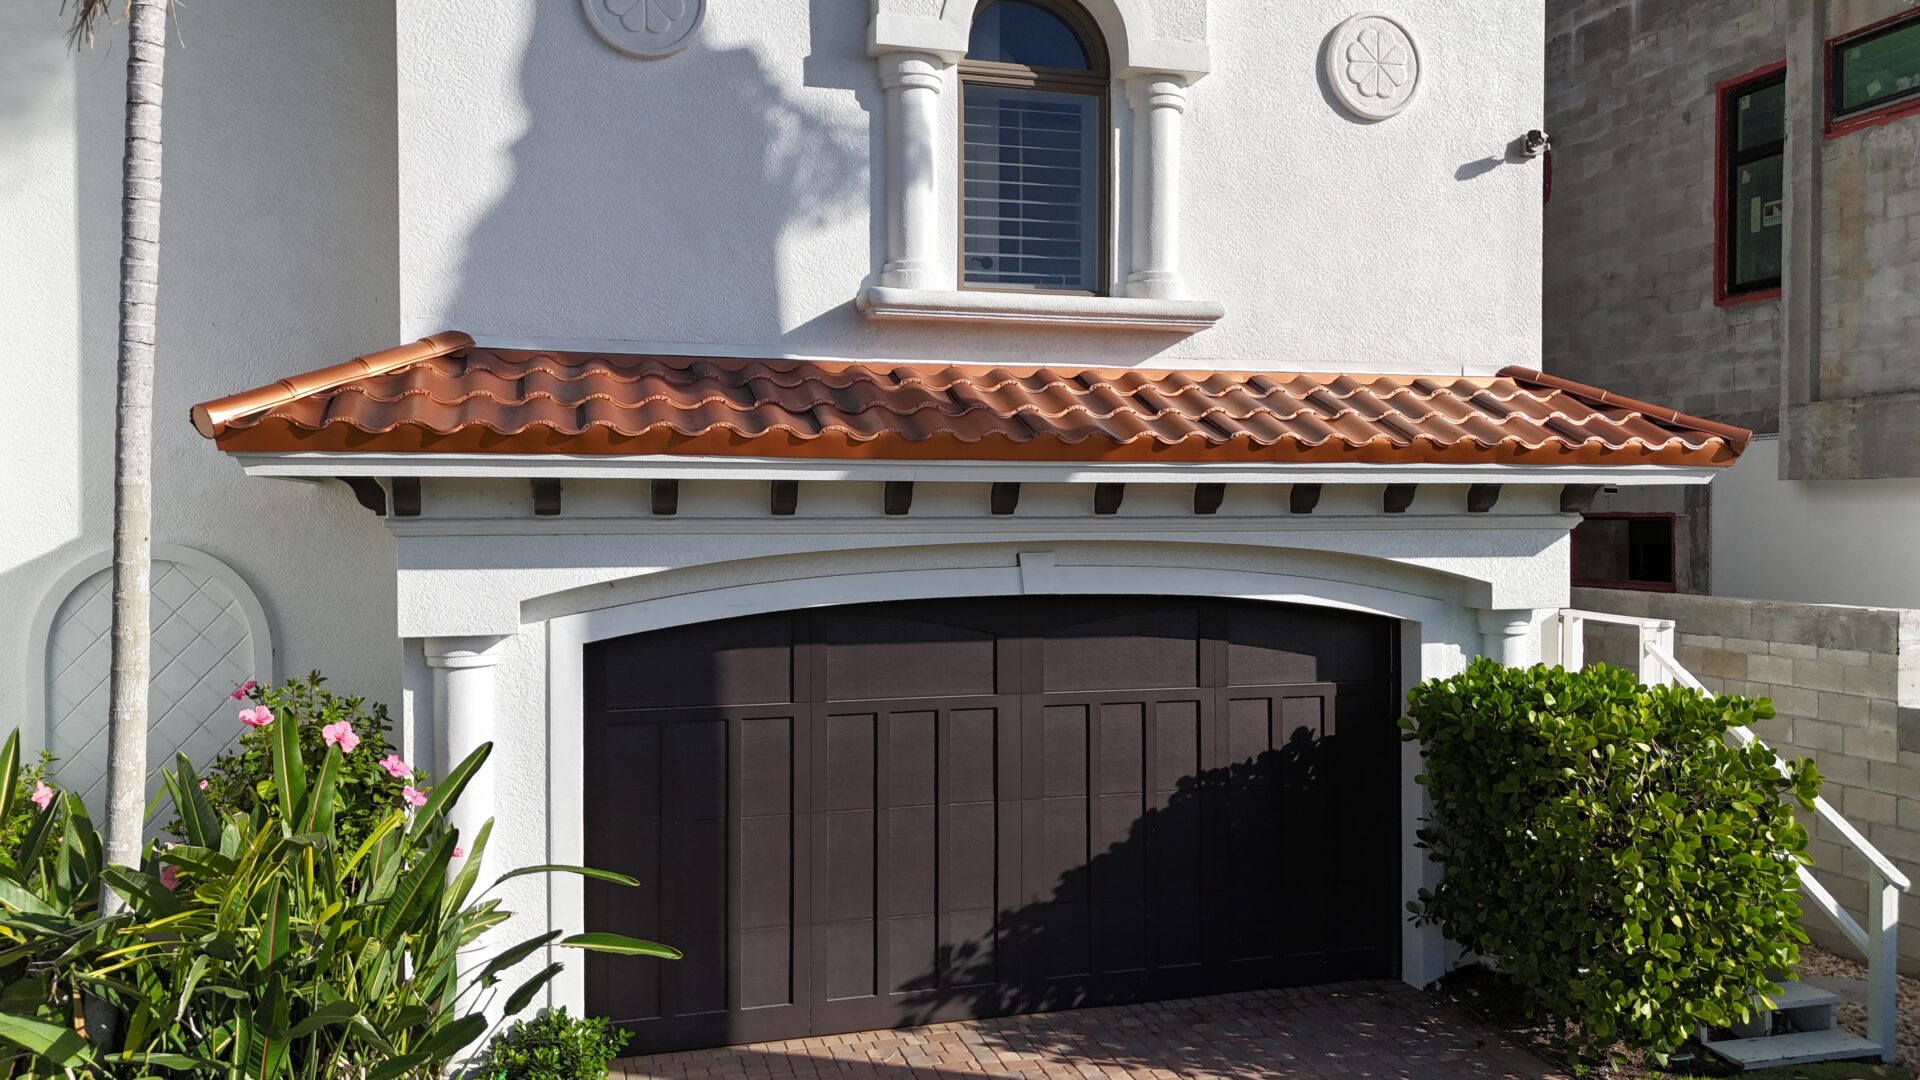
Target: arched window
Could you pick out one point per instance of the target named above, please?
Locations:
(1034, 149)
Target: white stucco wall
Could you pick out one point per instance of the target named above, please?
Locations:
(1813, 541)
(278, 255)
(724, 199)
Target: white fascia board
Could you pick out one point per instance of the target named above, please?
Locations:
(999, 529)
(307, 466)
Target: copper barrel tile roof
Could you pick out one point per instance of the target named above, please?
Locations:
(443, 394)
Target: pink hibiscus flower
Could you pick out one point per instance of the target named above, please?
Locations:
(170, 877)
(459, 853)
(203, 785)
(42, 795)
(395, 767)
(412, 797)
(341, 734)
(258, 716)
(241, 690)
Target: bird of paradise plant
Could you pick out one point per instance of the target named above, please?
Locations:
(260, 947)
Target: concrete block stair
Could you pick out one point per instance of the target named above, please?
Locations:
(1799, 1029)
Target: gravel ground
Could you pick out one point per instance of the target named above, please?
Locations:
(1817, 961)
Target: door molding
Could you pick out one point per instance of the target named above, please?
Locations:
(1422, 948)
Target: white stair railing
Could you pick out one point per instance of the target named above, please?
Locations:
(1563, 642)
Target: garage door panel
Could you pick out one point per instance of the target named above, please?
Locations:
(1122, 736)
(766, 765)
(766, 967)
(870, 657)
(1045, 825)
(766, 872)
(912, 860)
(735, 662)
(1146, 647)
(696, 785)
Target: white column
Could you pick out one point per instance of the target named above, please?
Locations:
(1159, 101)
(1510, 636)
(463, 719)
(911, 82)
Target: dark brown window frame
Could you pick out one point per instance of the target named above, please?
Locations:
(1672, 584)
(1726, 160)
(1096, 82)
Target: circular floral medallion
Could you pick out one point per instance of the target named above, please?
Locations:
(646, 28)
(1373, 66)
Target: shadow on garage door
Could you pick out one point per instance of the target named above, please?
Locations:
(893, 814)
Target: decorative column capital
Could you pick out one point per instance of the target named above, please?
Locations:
(1509, 635)
(911, 71)
(464, 652)
(1158, 90)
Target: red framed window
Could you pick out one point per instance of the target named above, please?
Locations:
(1873, 74)
(1624, 551)
(1749, 196)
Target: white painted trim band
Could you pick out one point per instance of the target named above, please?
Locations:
(1086, 527)
(312, 465)
(883, 302)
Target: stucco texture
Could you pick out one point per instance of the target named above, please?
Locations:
(278, 242)
(725, 199)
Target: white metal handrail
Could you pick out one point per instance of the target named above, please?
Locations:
(1563, 642)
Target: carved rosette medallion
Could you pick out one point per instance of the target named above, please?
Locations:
(648, 29)
(1372, 66)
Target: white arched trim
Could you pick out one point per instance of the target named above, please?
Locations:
(1035, 574)
(33, 731)
(1127, 26)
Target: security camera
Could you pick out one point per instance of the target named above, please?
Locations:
(1535, 142)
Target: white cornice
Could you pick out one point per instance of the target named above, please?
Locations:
(309, 466)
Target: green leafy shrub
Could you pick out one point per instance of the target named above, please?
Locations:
(30, 778)
(1604, 845)
(241, 780)
(263, 946)
(554, 1046)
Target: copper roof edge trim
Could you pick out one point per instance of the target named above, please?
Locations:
(1738, 436)
(210, 417)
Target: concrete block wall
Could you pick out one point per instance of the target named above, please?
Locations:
(1628, 289)
(1845, 684)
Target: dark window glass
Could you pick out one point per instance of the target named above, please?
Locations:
(1624, 551)
(1754, 195)
(1018, 32)
(1876, 69)
(1031, 161)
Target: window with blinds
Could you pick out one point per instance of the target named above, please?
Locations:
(1031, 161)
(1033, 149)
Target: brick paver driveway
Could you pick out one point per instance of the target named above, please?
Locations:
(1370, 1029)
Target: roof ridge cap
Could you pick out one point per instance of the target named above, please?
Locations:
(210, 418)
(1594, 395)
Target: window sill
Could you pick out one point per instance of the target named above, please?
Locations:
(887, 303)
(1736, 299)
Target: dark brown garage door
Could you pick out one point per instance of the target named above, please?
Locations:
(873, 816)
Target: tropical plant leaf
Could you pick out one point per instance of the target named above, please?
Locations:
(289, 770)
(149, 898)
(416, 890)
(447, 791)
(400, 1066)
(61, 1045)
(9, 774)
(452, 1038)
(333, 1012)
(555, 868)
(621, 945)
(511, 956)
(522, 996)
(182, 1062)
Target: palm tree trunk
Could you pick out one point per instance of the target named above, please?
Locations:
(133, 438)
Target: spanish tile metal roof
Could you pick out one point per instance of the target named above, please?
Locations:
(443, 394)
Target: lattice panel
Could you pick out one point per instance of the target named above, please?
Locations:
(202, 646)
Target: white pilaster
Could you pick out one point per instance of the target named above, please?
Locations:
(911, 82)
(1510, 636)
(1159, 102)
(463, 718)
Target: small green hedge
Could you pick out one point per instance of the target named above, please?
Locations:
(1603, 844)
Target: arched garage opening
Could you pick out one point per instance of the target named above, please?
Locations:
(895, 813)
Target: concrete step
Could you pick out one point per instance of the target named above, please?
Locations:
(1795, 994)
(1799, 1048)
